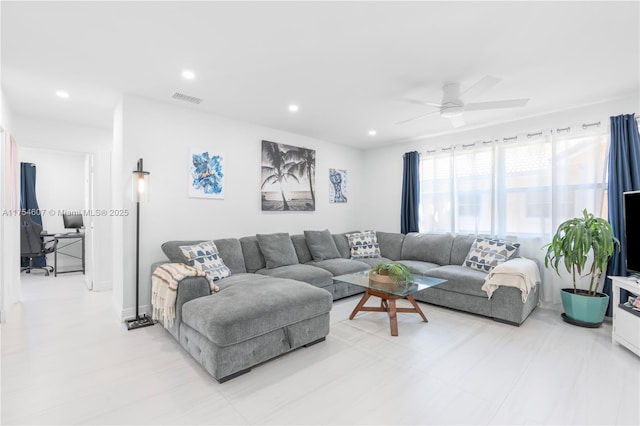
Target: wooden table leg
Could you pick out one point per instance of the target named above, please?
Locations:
(416, 307)
(393, 317)
(360, 305)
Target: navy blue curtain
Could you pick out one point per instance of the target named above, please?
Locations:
(29, 202)
(624, 175)
(410, 193)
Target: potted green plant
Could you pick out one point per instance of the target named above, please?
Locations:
(390, 272)
(577, 241)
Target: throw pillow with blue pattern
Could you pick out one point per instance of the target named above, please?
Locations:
(487, 253)
(363, 245)
(206, 258)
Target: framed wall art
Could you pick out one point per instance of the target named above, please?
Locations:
(206, 175)
(337, 186)
(288, 178)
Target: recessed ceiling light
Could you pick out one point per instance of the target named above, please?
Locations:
(189, 75)
(62, 94)
(293, 108)
(372, 132)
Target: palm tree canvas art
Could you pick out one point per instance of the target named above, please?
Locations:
(288, 178)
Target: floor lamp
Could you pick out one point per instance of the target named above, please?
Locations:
(140, 193)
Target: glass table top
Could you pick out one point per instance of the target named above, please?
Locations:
(402, 289)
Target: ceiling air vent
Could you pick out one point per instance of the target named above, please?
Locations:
(186, 98)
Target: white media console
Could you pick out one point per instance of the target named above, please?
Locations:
(626, 322)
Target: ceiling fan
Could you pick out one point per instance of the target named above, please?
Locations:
(453, 106)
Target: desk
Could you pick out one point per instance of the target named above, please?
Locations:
(63, 241)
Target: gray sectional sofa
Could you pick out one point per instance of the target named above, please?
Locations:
(280, 293)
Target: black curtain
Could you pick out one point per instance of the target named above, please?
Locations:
(410, 193)
(624, 175)
(29, 203)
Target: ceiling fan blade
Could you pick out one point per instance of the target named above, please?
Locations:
(485, 83)
(417, 117)
(457, 121)
(417, 102)
(511, 103)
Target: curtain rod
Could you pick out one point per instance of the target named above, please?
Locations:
(584, 126)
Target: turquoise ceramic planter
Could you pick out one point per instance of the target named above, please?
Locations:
(585, 309)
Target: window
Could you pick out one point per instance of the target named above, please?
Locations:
(513, 188)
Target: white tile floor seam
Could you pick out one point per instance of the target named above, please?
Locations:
(65, 360)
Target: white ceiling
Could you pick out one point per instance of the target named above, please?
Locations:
(348, 65)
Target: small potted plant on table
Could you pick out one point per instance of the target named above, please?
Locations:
(390, 273)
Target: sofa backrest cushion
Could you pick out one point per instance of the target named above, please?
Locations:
(302, 250)
(321, 245)
(342, 244)
(277, 249)
(171, 249)
(231, 253)
(460, 248)
(432, 248)
(390, 244)
(229, 248)
(253, 258)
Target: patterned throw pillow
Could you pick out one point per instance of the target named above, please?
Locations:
(363, 244)
(206, 258)
(486, 253)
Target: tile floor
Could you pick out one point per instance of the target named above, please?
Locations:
(66, 360)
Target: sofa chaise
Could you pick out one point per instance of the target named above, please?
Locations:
(280, 290)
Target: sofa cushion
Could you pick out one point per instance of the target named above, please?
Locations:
(341, 266)
(487, 253)
(277, 249)
(309, 274)
(373, 261)
(302, 250)
(206, 258)
(460, 248)
(171, 249)
(342, 244)
(321, 245)
(390, 244)
(460, 279)
(231, 252)
(253, 308)
(253, 258)
(432, 248)
(418, 266)
(363, 245)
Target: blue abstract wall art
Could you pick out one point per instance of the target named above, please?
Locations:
(206, 175)
(337, 186)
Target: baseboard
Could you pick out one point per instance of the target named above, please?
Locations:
(102, 286)
(130, 313)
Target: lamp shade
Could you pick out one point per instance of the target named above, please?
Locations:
(140, 184)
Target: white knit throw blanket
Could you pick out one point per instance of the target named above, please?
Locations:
(164, 288)
(519, 272)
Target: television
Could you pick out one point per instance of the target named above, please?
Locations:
(631, 203)
(72, 221)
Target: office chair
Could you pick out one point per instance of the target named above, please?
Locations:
(32, 245)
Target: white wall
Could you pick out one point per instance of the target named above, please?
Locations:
(9, 222)
(56, 142)
(389, 159)
(163, 135)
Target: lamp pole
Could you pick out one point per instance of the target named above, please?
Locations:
(139, 189)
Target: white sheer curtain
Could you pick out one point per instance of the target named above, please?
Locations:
(519, 188)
